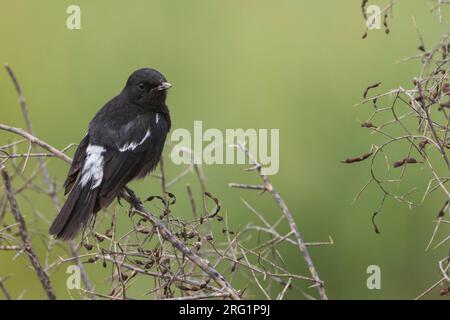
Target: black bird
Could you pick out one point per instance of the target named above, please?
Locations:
(124, 141)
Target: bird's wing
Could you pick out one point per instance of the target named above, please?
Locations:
(123, 149)
(77, 163)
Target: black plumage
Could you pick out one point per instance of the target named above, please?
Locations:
(124, 141)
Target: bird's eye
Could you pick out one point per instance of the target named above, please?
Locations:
(141, 86)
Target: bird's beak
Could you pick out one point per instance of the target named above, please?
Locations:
(163, 86)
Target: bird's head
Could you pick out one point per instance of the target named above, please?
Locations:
(147, 88)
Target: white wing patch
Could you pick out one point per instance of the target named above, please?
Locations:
(157, 118)
(133, 145)
(93, 166)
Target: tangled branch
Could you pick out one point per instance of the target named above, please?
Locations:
(414, 125)
(186, 258)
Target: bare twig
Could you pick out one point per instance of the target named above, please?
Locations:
(423, 127)
(167, 235)
(51, 186)
(42, 274)
(280, 202)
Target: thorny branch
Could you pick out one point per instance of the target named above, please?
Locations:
(197, 258)
(267, 186)
(51, 186)
(42, 274)
(414, 124)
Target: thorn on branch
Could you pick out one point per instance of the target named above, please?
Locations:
(423, 143)
(216, 202)
(444, 208)
(372, 86)
(375, 226)
(368, 125)
(400, 163)
(357, 159)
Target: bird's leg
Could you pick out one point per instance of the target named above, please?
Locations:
(123, 195)
(132, 195)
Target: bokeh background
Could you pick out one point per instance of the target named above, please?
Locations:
(299, 66)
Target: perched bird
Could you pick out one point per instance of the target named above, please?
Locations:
(124, 141)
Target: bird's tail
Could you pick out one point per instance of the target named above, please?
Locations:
(76, 212)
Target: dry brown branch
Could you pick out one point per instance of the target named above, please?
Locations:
(51, 186)
(11, 248)
(167, 235)
(267, 186)
(36, 141)
(414, 123)
(42, 274)
(176, 267)
(185, 258)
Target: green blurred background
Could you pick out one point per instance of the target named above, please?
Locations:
(299, 66)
